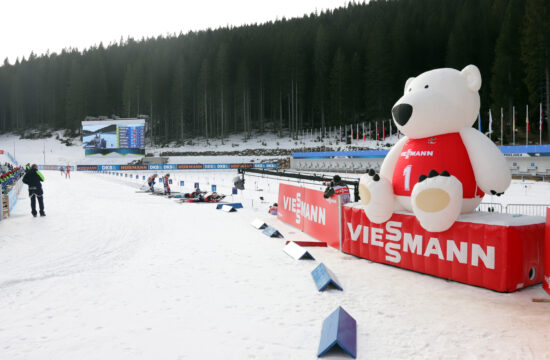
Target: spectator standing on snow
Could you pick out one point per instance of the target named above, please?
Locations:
(338, 187)
(68, 171)
(33, 178)
(62, 169)
(166, 181)
(273, 209)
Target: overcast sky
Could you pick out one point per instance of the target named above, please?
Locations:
(41, 25)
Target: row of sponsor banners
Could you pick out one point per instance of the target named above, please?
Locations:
(508, 151)
(156, 167)
(488, 255)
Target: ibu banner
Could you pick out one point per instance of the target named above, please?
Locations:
(546, 282)
(502, 252)
(309, 211)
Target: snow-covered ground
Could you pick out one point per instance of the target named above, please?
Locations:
(111, 273)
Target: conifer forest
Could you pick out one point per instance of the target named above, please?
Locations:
(328, 69)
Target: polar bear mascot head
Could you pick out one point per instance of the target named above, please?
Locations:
(438, 102)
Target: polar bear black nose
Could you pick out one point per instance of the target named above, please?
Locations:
(402, 113)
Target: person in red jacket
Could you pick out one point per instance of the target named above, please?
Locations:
(68, 171)
(166, 182)
(273, 209)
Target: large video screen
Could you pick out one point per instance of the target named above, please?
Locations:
(104, 137)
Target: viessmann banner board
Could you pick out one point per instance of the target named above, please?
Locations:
(501, 252)
(309, 211)
(546, 281)
(106, 137)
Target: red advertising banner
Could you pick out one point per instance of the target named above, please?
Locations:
(546, 281)
(309, 211)
(501, 253)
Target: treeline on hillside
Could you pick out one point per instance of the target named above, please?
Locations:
(338, 67)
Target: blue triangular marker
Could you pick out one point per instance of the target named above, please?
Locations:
(272, 232)
(339, 328)
(323, 277)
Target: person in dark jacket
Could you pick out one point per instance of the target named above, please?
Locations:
(33, 178)
(339, 188)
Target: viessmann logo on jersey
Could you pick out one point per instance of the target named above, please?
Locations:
(407, 154)
(301, 209)
(395, 243)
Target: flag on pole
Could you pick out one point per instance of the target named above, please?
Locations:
(351, 130)
(383, 130)
(357, 132)
(370, 131)
(527, 124)
(364, 134)
(390, 127)
(377, 136)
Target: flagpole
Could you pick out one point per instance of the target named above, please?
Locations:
(370, 130)
(527, 124)
(490, 131)
(513, 125)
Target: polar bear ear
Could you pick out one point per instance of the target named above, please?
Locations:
(473, 77)
(409, 81)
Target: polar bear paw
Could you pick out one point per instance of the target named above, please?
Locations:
(437, 200)
(376, 194)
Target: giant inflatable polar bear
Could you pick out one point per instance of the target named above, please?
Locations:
(442, 166)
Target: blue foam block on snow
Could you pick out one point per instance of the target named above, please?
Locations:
(339, 329)
(272, 232)
(323, 278)
(235, 205)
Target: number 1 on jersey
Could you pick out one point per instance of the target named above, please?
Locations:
(407, 174)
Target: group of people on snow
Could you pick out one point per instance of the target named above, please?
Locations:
(65, 171)
(165, 181)
(8, 175)
(34, 178)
